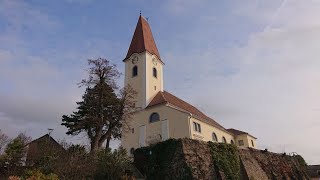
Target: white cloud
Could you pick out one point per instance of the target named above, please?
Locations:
(33, 97)
(20, 15)
(183, 6)
(37, 88)
(273, 88)
(268, 86)
(33, 93)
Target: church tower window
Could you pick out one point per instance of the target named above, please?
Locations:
(154, 117)
(134, 71)
(155, 72)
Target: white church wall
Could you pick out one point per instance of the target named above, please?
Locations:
(153, 84)
(177, 126)
(246, 139)
(146, 85)
(207, 130)
(138, 83)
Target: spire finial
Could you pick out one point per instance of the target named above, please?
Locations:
(140, 12)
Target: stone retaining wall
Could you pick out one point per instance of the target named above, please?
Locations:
(192, 159)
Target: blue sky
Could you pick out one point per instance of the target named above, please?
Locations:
(252, 64)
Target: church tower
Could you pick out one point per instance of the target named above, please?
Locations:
(143, 65)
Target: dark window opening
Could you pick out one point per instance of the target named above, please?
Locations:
(196, 127)
(214, 137)
(231, 142)
(154, 117)
(135, 71)
(252, 143)
(155, 72)
(132, 130)
(224, 140)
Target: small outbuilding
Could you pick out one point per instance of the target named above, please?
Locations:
(41, 148)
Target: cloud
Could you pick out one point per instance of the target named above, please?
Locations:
(268, 85)
(39, 86)
(20, 15)
(33, 95)
(79, 1)
(181, 6)
(252, 65)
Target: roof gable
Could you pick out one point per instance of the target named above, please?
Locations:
(46, 137)
(238, 132)
(166, 97)
(142, 39)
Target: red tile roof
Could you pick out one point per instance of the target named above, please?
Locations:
(238, 132)
(142, 39)
(165, 97)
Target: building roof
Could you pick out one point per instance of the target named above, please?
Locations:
(47, 137)
(313, 171)
(165, 97)
(40, 148)
(238, 132)
(143, 40)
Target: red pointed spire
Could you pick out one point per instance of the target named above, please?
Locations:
(142, 39)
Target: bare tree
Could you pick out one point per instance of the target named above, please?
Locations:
(3, 140)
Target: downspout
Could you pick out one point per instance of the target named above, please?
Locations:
(190, 115)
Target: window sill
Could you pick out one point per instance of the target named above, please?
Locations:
(198, 136)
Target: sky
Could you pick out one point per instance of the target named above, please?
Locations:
(252, 65)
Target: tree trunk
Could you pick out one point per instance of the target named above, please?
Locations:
(94, 145)
(108, 142)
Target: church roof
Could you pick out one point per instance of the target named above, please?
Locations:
(165, 97)
(142, 39)
(238, 132)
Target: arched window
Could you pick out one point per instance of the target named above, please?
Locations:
(231, 141)
(214, 137)
(224, 139)
(134, 71)
(155, 72)
(252, 143)
(154, 117)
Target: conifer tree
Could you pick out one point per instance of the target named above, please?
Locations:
(16, 150)
(102, 114)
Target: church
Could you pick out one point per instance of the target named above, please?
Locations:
(162, 115)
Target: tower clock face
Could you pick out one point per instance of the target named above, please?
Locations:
(134, 60)
(154, 61)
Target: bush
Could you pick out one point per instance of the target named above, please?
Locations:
(38, 175)
(226, 159)
(155, 161)
(112, 165)
(74, 164)
(301, 161)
